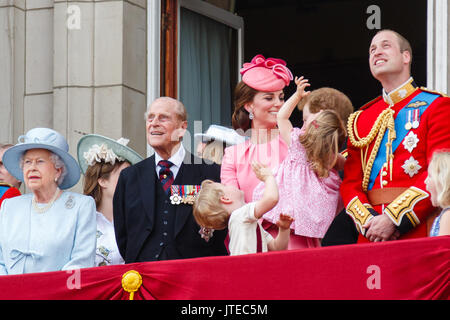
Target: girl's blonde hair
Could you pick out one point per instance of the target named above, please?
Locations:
(208, 210)
(322, 140)
(439, 170)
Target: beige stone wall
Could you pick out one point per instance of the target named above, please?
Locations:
(89, 79)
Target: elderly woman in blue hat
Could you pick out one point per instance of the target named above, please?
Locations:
(50, 228)
(101, 160)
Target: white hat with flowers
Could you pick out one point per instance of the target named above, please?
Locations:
(94, 148)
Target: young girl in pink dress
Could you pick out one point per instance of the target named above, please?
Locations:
(307, 178)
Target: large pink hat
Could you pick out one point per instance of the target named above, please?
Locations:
(267, 75)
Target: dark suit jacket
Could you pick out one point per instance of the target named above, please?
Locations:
(134, 211)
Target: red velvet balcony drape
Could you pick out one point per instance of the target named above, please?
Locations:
(407, 269)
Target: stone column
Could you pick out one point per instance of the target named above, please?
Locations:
(88, 78)
(26, 63)
(12, 57)
(100, 70)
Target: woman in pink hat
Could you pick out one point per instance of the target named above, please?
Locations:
(257, 99)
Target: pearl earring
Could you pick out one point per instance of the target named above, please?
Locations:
(250, 115)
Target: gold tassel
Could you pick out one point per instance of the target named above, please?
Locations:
(392, 135)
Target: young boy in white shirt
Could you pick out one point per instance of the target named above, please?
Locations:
(218, 206)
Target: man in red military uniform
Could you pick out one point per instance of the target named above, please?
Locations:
(391, 141)
(9, 186)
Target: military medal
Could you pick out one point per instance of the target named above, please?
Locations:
(175, 197)
(415, 123)
(183, 194)
(408, 124)
(189, 199)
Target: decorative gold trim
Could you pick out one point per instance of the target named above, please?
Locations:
(384, 121)
(404, 204)
(432, 91)
(131, 282)
(4, 184)
(371, 102)
(359, 213)
(400, 93)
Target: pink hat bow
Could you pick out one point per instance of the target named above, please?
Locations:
(263, 74)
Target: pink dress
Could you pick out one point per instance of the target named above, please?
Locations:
(312, 201)
(236, 166)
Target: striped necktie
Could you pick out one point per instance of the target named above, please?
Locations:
(165, 175)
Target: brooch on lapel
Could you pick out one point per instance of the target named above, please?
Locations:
(206, 233)
(183, 194)
(70, 203)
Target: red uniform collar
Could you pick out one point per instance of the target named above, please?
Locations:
(403, 92)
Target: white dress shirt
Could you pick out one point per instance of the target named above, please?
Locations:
(242, 231)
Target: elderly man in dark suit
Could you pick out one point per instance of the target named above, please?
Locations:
(152, 203)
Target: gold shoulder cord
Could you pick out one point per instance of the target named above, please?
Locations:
(384, 121)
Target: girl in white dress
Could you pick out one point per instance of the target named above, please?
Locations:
(101, 160)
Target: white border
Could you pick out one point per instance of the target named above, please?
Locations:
(153, 54)
(437, 45)
(441, 46)
(430, 44)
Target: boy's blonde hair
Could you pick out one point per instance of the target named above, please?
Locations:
(323, 138)
(208, 210)
(328, 99)
(439, 170)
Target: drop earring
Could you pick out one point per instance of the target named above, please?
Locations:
(250, 115)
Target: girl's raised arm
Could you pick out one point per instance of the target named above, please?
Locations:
(284, 124)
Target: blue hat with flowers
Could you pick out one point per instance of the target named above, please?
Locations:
(42, 138)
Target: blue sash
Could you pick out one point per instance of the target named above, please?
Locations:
(401, 132)
(3, 189)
